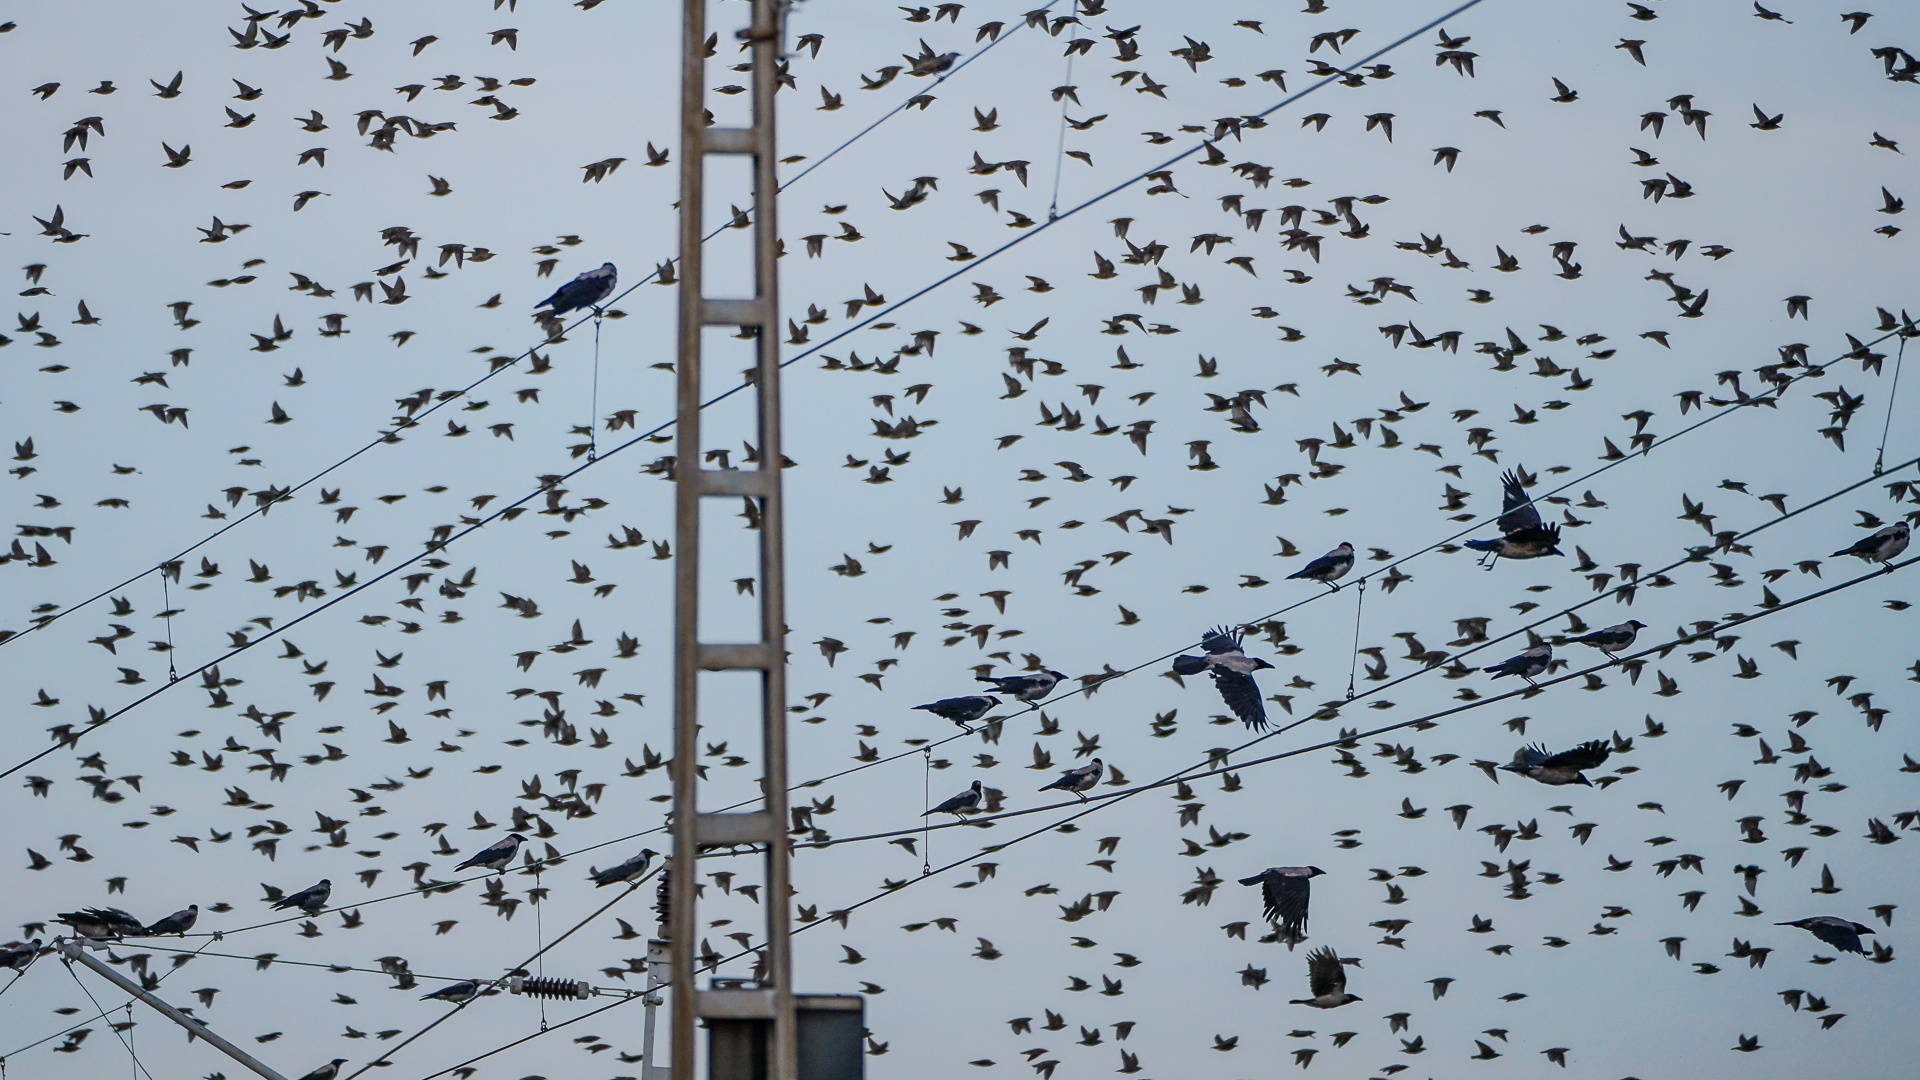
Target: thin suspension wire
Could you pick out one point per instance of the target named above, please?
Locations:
(166, 607)
(926, 805)
(1892, 395)
(540, 940)
(1358, 605)
(98, 1015)
(1060, 148)
(104, 1012)
(593, 406)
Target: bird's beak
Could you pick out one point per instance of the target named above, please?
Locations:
(1259, 664)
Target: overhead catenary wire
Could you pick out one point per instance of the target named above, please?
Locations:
(442, 544)
(1893, 393)
(1213, 764)
(117, 1033)
(1099, 802)
(391, 435)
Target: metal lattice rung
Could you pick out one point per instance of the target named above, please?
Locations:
(749, 656)
(755, 827)
(721, 140)
(748, 312)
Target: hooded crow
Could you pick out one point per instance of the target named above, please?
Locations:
(177, 923)
(1613, 639)
(1326, 981)
(627, 871)
(967, 802)
(1024, 687)
(102, 923)
(497, 855)
(1232, 671)
(1079, 780)
(1564, 767)
(962, 710)
(465, 990)
(16, 955)
(310, 899)
(1837, 932)
(1522, 536)
(584, 291)
(1534, 661)
(1286, 890)
(326, 1072)
(1883, 546)
(1328, 568)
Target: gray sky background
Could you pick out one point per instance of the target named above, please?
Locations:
(1797, 206)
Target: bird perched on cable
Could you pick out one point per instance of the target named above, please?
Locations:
(1534, 763)
(1232, 670)
(1286, 890)
(1522, 536)
(464, 990)
(102, 923)
(1326, 981)
(1024, 687)
(1328, 568)
(326, 1072)
(1079, 780)
(497, 855)
(1883, 546)
(1532, 662)
(1612, 639)
(310, 899)
(967, 802)
(16, 955)
(177, 923)
(962, 710)
(627, 871)
(584, 291)
(1835, 931)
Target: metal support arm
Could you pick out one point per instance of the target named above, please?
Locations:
(73, 950)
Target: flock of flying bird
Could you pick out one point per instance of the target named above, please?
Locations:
(1523, 533)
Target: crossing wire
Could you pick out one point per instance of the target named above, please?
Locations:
(1100, 802)
(391, 436)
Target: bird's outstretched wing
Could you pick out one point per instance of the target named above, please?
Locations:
(1517, 513)
(1531, 755)
(1324, 974)
(1220, 640)
(1585, 756)
(1286, 898)
(1243, 697)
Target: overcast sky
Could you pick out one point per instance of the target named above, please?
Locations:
(1797, 204)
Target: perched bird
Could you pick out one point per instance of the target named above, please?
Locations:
(1564, 767)
(177, 923)
(1023, 687)
(16, 955)
(1522, 536)
(962, 710)
(310, 899)
(630, 870)
(967, 802)
(584, 291)
(1286, 890)
(1835, 931)
(1232, 671)
(102, 923)
(1080, 780)
(497, 855)
(1883, 546)
(1534, 661)
(1326, 981)
(464, 990)
(1328, 568)
(329, 1071)
(1612, 639)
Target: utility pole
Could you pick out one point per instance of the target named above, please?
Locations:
(768, 1006)
(73, 950)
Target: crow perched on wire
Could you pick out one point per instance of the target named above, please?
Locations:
(1328, 568)
(962, 710)
(584, 291)
(1232, 670)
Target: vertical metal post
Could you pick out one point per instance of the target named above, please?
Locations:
(771, 1001)
(73, 950)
